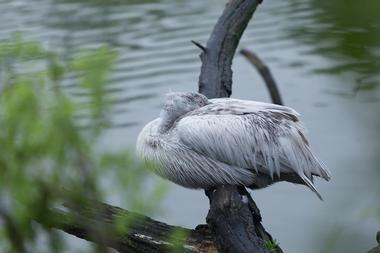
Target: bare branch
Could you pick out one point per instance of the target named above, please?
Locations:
(265, 73)
(215, 79)
(140, 234)
(200, 46)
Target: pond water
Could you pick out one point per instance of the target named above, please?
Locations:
(325, 59)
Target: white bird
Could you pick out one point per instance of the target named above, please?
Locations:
(201, 143)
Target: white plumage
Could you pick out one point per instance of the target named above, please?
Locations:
(201, 143)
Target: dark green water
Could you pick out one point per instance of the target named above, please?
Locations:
(325, 55)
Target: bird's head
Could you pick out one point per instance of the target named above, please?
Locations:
(180, 103)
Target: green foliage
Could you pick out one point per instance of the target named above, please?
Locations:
(272, 245)
(178, 239)
(47, 158)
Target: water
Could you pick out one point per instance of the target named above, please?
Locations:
(325, 60)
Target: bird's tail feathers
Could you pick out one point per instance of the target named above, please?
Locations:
(311, 185)
(321, 170)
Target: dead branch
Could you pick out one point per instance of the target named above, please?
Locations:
(215, 79)
(140, 234)
(265, 73)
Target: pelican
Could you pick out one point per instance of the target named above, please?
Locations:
(202, 143)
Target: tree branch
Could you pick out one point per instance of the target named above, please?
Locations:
(236, 221)
(215, 79)
(139, 234)
(265, 73)
(233, 216)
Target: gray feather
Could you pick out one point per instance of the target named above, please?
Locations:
(200, 143)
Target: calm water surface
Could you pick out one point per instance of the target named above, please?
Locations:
(327, 66)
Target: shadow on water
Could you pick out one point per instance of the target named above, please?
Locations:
(322, 52)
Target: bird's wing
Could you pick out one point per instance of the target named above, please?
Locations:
(267, 137)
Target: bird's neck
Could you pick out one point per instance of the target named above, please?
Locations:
(166, 122)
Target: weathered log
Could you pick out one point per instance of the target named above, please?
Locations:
(265, 73)
(98, 223)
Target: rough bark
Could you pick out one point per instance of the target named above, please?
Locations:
(233, 216)
(98, 222)
(215, 79)
(236, 222)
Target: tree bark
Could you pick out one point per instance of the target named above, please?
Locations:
(215, 79)
(140, 234)
(236, 222)
(233, 216)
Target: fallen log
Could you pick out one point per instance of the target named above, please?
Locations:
(98, 223)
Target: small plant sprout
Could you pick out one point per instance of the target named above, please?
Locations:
(272, 245)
